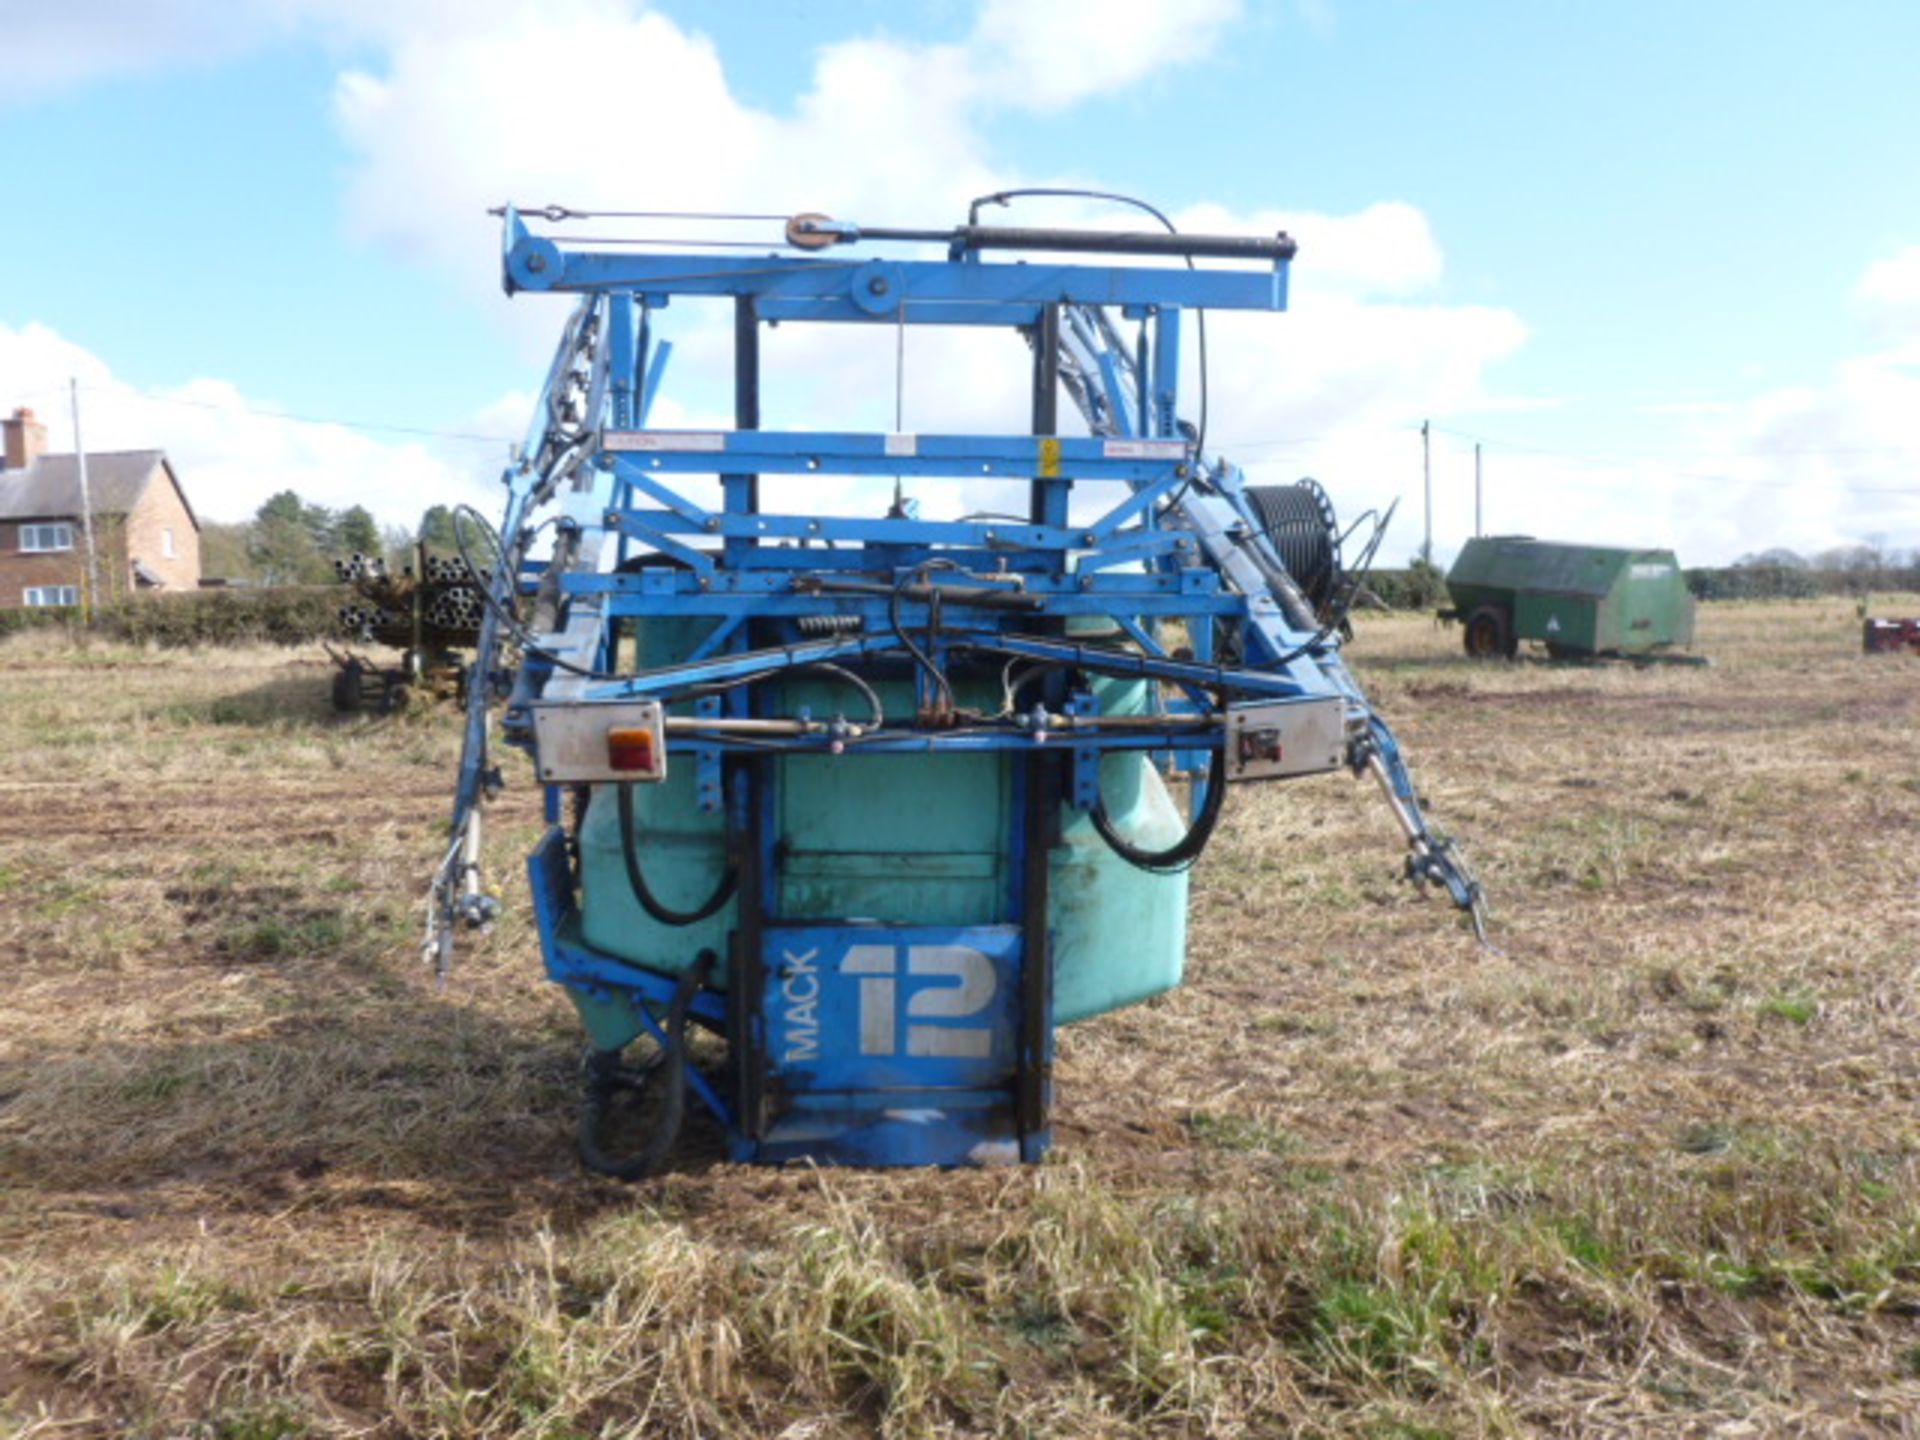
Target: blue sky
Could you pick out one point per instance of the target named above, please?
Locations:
(1664, 259)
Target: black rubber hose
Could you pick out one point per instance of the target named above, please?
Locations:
(1182, 853)
(605, 1077)
(1298, 522)
(723, 892)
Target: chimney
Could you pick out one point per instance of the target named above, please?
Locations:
(26, 439)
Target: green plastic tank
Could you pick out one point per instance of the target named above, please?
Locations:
(905, 839)
(1575, 599)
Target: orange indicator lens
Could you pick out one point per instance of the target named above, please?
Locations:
(630, 749)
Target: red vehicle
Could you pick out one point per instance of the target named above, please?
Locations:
(1885, 636)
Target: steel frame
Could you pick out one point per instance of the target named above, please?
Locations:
(1173, 542)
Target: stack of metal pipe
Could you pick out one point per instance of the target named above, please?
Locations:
(445, 596)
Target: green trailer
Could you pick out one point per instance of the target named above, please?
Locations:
(1578, 600)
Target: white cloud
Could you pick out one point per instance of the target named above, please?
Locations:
(452, 107)
(886, 130)
(230, 455)
(1889, 295)
(1387, 249)
(1053, 55)
(1807, 468)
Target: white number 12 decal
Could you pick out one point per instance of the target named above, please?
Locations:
(878, 967)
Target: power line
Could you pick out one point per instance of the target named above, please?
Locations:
(1242, 446)
(298, 419)
(1598, 456)
(1623, 457)
(1671, 462)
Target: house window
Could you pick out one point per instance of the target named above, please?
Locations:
(166, 542)
(41, 538)
(53, 595)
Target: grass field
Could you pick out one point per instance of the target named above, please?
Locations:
(1649, 1166)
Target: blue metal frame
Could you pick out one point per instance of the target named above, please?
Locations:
(1175, 542)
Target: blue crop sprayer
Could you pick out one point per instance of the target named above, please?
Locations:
(880, 799)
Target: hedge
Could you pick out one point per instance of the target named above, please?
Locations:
(289, 615)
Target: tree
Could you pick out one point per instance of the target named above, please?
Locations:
(1779, 557)
(355, 532)
(289, 541)
(1426, 585)
(396, 543)
(436, 530)
(225, 549)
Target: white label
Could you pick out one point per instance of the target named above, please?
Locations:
(707, 440)
(1651, 570)
(1553, 624)
(1144, 449)
(901, 445)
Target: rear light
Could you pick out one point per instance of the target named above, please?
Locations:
(630, 750)
(600, 742)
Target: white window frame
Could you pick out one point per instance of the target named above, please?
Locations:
(36, 540)
(37, 595)
(166, 542)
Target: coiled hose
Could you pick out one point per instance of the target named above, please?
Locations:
(1298, 522)
(606, 1075)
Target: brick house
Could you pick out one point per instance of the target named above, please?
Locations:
(144, 532)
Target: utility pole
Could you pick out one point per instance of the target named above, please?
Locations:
(1476, 489)
(86, 503)
(1426, 476)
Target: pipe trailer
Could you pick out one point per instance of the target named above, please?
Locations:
(879, 799)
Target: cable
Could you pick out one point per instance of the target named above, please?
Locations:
(920, 657)
(516, 630)
(605, 1075)
(1001, 197)
(712, 905)
(1182, 854)
(558, 213)
(872, 696)
(759, 246)
(296, 419)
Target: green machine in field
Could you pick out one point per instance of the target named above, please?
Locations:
(1580, 600)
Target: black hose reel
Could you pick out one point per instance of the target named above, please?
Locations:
(1297, 520)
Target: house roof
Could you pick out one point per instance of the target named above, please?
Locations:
(116, 479)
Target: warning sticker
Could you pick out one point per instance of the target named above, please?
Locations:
(1049, 457)
(702, 440)
(900, 445)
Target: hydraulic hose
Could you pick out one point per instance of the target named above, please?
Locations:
(1183, 852)
(605, 1076)
(666, 915)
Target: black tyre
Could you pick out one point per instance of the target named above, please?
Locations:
(1489, 634)
(346, 688)
(395, 698)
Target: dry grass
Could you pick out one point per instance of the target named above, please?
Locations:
(1648, 1168)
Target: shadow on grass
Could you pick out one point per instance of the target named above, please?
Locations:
(301, 697)
(345, 1085)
